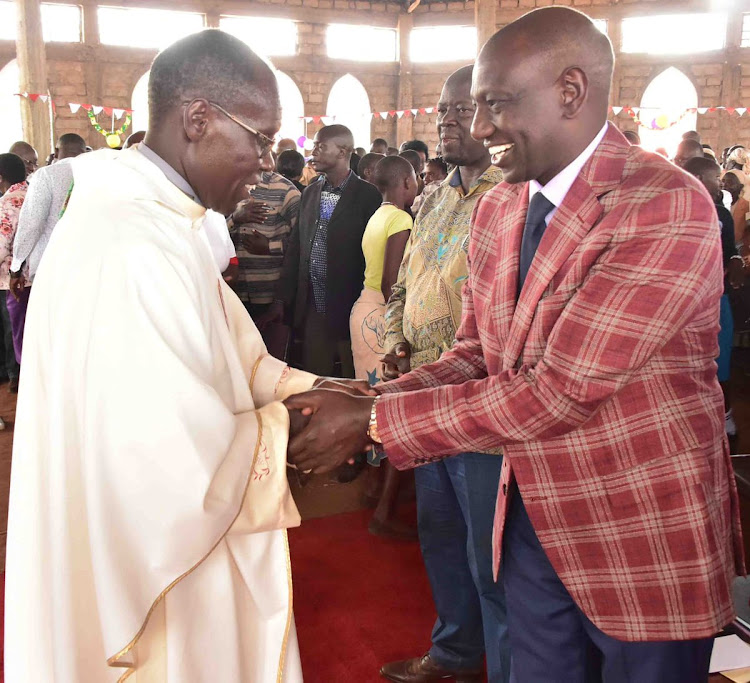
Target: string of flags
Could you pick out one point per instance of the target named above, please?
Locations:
(653, 118)
(393, 113)
(74, 107)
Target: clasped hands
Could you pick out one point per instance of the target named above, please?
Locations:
(329, 424)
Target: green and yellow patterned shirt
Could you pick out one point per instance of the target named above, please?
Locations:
(425, 307)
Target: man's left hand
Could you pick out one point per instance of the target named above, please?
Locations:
(736, 273)
(337, 430)
(256, 243)
(17, 283)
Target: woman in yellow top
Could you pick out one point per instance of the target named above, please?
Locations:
(383, 245)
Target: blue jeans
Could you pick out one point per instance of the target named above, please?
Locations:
(455, 510)
(553, 641)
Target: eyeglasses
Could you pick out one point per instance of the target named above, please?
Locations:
(264, 142)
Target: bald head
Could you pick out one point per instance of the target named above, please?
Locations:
(686, 150)
(542, 90)
(560, 38)
(28, 155)
(211, 65)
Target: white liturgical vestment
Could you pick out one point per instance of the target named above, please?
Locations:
(149, 499)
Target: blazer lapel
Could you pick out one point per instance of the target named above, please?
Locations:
(309, 221)
(578, 214)
(345, 199)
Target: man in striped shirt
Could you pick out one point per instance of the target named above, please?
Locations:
(260, 232)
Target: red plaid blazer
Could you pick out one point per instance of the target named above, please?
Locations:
(599, 386)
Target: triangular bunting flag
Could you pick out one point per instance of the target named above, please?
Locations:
(422, 110)
(392, 112)
(702, 110)
(741, 110)
(308, 119)
(430, 110)
(616, 110)
(316, 119)
(107, 110)
(74, 108)
(327, 120)
(118, 113)
(376, 114)
(44, 98)
(730, 110)
(414, 112)
(712, 109)
(97, 109)
(635, 110)
(33, 97)
(384, 114)
(400, 113)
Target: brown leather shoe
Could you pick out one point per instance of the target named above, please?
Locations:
(424, 669)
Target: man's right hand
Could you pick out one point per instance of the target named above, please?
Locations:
(275, 314)
(250, 211)
(16, 286)
(397, 361)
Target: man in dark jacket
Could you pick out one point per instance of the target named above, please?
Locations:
(324, 267)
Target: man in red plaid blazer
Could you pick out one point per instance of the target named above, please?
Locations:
(586, 354)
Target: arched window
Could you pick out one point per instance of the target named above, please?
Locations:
(292, 107)
(668, 95)
(11, 128)
(139, 105)
(349, 103)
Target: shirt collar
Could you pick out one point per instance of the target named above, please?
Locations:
(18, 187)
(329, 187)
(557, 188)
(490, 175)
(172, 176)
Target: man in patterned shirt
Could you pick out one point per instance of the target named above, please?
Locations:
(456, 496)
(324, 266)
(261, 230)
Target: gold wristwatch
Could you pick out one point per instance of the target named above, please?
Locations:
(372, 430)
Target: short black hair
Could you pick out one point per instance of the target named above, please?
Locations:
(379, 141)
(210, 64)
(413, 158)
(697, 166)
(369, 160)
(71, 140)
(692, 135)
(392, 152)
(417, 146)
(340, 133)
(439, 161)
(390, 171)
(290, 164)
(12, 168)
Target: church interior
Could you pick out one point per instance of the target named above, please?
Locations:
(378, 67)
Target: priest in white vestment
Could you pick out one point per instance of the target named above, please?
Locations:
(149, 498)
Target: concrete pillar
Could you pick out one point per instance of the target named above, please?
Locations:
(485, 19)
(32, 67)
(404, 125)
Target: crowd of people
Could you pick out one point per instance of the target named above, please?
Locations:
(546, 314)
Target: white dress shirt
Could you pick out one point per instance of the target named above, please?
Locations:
(557, 188)
(40, 213)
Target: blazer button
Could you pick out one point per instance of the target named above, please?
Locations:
(505, 489)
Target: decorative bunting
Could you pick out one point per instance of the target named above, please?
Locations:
(74, 108)
(616, 110)
(741, 110)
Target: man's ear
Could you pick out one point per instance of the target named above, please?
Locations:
(574, 91)
(195, 119)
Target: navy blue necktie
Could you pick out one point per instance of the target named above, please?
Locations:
(534, 228)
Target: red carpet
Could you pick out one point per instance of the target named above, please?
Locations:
(359, 601)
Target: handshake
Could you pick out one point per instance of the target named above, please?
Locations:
(329, 425)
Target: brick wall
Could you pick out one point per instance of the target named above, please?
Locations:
(107, 75)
